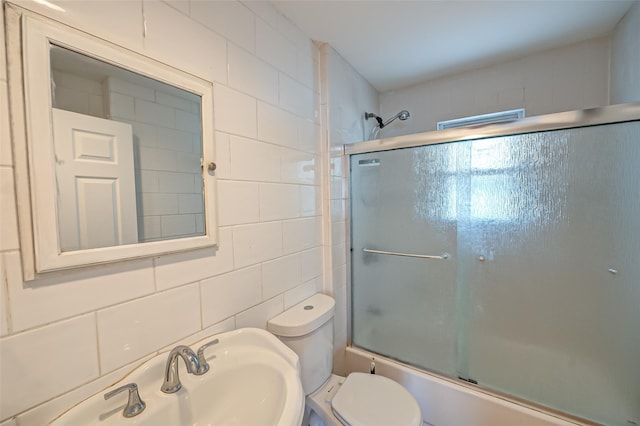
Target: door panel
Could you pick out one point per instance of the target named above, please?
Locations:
(96, 181)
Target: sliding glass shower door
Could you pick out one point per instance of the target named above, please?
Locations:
(534, 285)
(404, 307)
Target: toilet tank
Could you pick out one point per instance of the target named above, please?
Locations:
(307, 328)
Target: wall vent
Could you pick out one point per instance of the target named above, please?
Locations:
(494, 117)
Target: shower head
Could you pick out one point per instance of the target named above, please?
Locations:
(402, 115)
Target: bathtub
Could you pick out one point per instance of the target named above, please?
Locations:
(446, 403)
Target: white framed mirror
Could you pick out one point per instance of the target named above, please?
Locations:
(119, 151)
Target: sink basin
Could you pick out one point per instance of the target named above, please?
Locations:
(253, 380)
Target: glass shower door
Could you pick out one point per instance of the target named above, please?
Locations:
(404, 307)
(539, 297)
(554, 270)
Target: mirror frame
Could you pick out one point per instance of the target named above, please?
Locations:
(28, 40)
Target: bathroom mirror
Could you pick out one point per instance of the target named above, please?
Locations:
(120, 151)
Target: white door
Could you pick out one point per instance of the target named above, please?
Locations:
(95, 180)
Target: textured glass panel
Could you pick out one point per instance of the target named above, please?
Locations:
(548, 322)
(540, 298)
(405, 307)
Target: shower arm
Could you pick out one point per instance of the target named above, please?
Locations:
(389, 120)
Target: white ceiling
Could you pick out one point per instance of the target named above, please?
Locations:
(397, 43)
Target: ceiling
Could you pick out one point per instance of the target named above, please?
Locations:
(397, 43)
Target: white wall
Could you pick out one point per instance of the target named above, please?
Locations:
(67, 335)
(563, 79)
(348, 96)
(625, 58)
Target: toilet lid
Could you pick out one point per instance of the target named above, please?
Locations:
(372, 400)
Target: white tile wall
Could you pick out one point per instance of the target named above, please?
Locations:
(301, 234)
(252, 75)
(278, 201)
(311, 263)
(62, 295)
(310, 200)
(71, 360)
(264, 11)
(299, 167)
(41, 415)
(230, 19)
(223, 155)
(235, 112)
(253, 160)
(119, 22)
(134, 329)
(260, 314)
(267, 151)
(277, 126)
(275, 48)
(228, 294)
(296, 97)
(176, 269)
(257, 243)
(242, 202)
(179, 41)
(309, 136)
(281, 275)
(302, 292)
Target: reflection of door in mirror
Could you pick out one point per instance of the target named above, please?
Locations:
(95, 181)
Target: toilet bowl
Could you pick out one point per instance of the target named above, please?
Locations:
(364, 399)
(359, 399)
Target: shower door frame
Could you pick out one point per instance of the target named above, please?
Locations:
(611, 114)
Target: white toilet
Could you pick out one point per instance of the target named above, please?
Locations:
(360, 399)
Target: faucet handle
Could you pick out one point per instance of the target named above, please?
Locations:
(204, 365)
(134, 405)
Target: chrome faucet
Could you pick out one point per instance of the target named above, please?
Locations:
(135, 405)
(196, 364)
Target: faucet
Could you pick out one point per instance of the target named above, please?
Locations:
(196, 364)
(135, 405)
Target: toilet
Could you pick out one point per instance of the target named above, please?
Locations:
(360, 399)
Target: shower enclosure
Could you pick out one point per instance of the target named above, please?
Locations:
(507, 256)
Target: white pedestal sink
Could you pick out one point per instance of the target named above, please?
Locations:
(253, 380)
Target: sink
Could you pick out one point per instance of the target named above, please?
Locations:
(253, 380)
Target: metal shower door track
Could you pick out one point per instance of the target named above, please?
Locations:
(562, 120)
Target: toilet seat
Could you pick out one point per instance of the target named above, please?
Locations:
(372, 400)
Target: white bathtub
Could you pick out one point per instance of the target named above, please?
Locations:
(445, 403)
